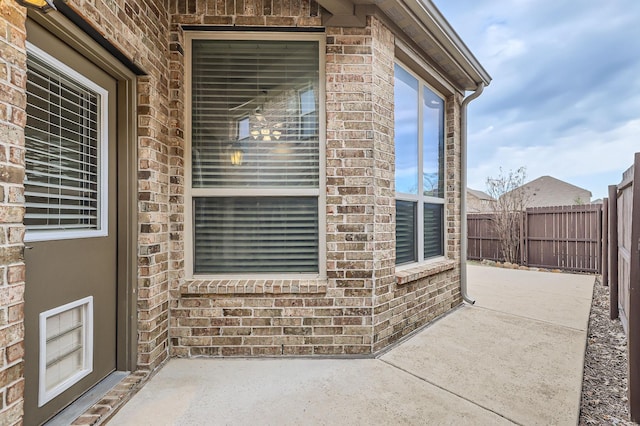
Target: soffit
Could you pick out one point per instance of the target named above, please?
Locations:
(423, 23)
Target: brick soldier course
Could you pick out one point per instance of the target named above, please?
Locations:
(360, 307)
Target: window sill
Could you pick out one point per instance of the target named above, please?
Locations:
(422, 270)
(254, 286)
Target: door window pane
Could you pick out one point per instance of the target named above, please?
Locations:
(63, 151)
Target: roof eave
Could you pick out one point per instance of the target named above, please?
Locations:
(429, 15)
(425, 25)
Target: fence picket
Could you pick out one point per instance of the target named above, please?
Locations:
(563, 237)
(605, 242)
(633, 314)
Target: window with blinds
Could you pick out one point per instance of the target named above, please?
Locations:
(256, 234)
(433, 232)
(63, 151)
(419, 172)
(405, 232)
(255, 155)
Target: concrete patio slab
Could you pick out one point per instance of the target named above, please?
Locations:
(516, 357)
(559, 298)
(527, 370)
(294, 392)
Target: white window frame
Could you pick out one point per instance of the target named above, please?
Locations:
(103, 149)
(320, 192)
(420, 199)
(86, 303)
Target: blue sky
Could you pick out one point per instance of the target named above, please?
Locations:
(565, 95)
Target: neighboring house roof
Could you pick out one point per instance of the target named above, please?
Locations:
(480, 195)
(479, 202)
(423, 22)
(547, 191)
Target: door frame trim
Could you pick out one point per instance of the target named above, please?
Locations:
(127, 330)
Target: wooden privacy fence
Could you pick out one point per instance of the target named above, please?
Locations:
(568, 238)
(483, 243)
(624, 270)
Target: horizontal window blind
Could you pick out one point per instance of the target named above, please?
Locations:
(405, 232)
(272, 86)
(433, 230)
(62, 151)
(255, 234)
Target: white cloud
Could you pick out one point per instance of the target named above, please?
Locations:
(501, 45)
(572, 158)
(565, 95)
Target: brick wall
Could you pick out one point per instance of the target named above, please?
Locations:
(361, 307)
(140, 29)
(426, 292)
(408, 299)
(12, 272)
(292, 317)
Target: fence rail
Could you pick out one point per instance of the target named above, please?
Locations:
(568, 238)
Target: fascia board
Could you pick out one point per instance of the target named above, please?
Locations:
(425, 22)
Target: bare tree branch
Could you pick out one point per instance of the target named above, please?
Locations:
(511, 200)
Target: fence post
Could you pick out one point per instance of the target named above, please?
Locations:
(634, 298)
(613, 251)
(524, 251)
(605, 242)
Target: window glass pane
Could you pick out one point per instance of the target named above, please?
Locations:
(243, 128)
(307, 101)
(406, 131)
(261, 80)
(433, 144)
(308, 114)
(252, 234)
(62, 139)
(405, 232)
(433, 230)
